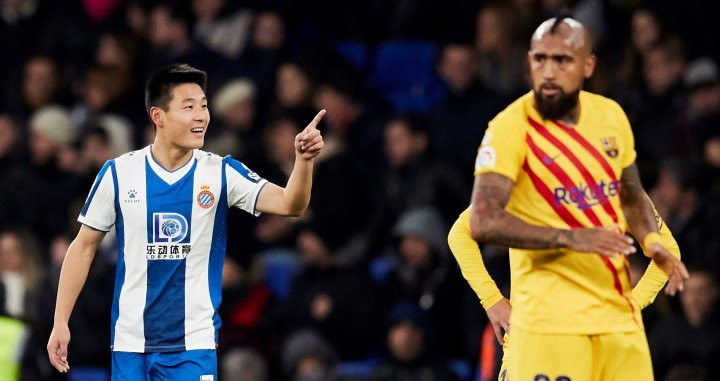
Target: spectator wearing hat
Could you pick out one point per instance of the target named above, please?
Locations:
(42, 188)
(425, 275)
(702, 81)
(307, 356)
(409, 344)
(236, 133)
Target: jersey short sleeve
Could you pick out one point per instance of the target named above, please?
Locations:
(628, 153)
(99, 209)
(502, 149)
(243, 186)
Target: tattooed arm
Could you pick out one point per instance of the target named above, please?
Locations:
(635, 205)
(490, 222)
(640, 216)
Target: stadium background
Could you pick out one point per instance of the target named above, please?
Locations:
(409, 86)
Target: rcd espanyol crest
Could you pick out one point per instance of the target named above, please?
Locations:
(205, 198)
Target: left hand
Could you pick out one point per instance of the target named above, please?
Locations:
(499, 316)
(675, 270)
(309, 142)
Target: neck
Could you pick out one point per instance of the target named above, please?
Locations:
(169, 156)
(572, 118)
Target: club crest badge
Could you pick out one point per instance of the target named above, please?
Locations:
(610, 146)
(205, 198)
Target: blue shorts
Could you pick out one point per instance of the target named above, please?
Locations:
(195, 365)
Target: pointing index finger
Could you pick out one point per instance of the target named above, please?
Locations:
(316, 120)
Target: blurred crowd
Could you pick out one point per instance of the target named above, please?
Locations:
(362, 287)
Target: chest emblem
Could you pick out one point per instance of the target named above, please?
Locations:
(205, 198)
(610, 146)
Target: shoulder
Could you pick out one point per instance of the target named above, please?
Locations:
(599, 102)
(237, 166)
(132, 156)
(515, 115)
(205, 157)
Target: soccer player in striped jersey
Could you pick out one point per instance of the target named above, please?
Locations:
(168, 203)
(556, 181)
(467, 254)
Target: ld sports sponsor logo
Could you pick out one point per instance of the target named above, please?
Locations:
(169, 232)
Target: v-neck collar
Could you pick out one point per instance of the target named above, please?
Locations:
(169, 177)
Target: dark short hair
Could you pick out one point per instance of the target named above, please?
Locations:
(563, 14)
(158, 89)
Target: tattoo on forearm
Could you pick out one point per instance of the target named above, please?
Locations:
(635, 204)
(491, 193)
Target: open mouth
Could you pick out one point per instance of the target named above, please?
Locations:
(198, 131)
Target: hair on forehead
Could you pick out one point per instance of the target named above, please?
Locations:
(573, 30)
(158, 89)
(559, 19)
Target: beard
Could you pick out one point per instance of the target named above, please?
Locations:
(558, 107)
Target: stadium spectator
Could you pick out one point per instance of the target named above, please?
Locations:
(459, 119)
(307, 356)
(411, 353)
(425, 275)
(690, 339)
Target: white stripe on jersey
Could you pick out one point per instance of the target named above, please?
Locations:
(130, 325)
(124, 201)
(199, 329)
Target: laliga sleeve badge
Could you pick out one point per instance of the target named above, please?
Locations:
(486, 157)
(205, 198)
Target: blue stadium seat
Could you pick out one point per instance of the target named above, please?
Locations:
(281, 266)
(462, 369)
(404, 73)
(354, 52)
(358, 370)
(380, 267)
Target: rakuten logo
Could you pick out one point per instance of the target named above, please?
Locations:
(586, 196)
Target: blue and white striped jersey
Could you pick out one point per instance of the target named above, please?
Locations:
(171, 230)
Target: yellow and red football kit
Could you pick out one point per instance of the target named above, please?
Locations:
(564, 177)
(467, 253)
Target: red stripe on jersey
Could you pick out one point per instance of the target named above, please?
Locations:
(604, 201)
(585, 144)
(545, 192)
(627, 272)
(560, 175)
(590, 180)
(616, 278)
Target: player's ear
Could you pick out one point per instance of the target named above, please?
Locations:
(157, 115)
(589, 68)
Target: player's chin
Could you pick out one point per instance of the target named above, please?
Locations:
(195, 143)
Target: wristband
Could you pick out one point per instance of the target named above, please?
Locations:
(650, 238)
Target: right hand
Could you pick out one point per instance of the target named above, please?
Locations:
(57, 347)
(673, 267)
(603, 241)
(499, 315)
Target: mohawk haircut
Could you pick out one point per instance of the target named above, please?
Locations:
(561, 16)
(158, 89)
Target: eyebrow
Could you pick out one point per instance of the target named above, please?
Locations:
(192, 99)
(551, 56)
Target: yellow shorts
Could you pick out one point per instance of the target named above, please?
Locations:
(534, 356)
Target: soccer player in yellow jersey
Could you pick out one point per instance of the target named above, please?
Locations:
(556, 181)
(467, 253)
